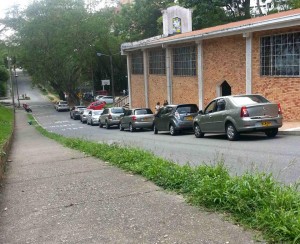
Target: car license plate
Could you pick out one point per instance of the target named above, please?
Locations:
(266, 123)
(188, 118)
(145, 119)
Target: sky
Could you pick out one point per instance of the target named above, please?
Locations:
(5, 4)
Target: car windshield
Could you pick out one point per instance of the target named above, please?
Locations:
(187, 109)
(248, 100)
(143, 111)
(117, 110)
(97, 112)
(64, 103)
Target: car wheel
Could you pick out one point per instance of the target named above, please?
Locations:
(121, 127)
(100, 124)
(107, 125)
(198, 132)
(271, 133)
(131, 128)
(71, 116)
(172, 130)
(92, 123)
(155, 129)
(232, 133)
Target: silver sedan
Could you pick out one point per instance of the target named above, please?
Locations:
(137, 118)
(237, 114)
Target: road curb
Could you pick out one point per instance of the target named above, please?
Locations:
(289, 133)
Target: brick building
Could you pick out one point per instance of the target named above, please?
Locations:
(259, 55)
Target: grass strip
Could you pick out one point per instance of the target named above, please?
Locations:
(6, 124)
(255, 200)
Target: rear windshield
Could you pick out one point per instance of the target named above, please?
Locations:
(117, 110)
(63, 103)
(143, 111)
(187, 109)
(98, 112)
(248, 100)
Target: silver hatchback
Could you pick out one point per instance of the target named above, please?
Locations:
(237, 114)
(137, 118)
(111, 117)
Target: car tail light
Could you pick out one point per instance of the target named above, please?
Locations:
(177, 116)
(109, 116)
(279, 109)
(134, 118)
(244, 112)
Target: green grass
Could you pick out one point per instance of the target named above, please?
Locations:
(6, 124)
(255, 200)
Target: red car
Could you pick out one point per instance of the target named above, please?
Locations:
(97, 105)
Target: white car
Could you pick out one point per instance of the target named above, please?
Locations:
(62, 106)
(93, 117)
(107, 99)
(98, 97)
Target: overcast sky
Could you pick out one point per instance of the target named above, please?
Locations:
(5, 4)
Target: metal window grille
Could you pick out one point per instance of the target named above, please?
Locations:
(184, 61)
(157, 61)
(280, 55)
(137, 63)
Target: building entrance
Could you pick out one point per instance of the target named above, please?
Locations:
(225, 89)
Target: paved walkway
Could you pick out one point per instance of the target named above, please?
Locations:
(52, 194)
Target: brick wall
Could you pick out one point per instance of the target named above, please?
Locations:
(185, 89)
(283, 90)
(157, 90)
(224, 59)
(137, 91)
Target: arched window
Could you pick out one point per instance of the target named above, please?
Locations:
(225, 89)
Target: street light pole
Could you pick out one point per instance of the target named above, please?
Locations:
(112, 79)
(18, 98)
(112, 73)
(12, 91)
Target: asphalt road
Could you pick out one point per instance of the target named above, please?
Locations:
(253, 152)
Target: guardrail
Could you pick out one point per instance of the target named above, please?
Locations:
(122, 102)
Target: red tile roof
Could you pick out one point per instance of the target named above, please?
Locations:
(235, 24)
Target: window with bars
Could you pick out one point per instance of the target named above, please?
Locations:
(137, 66)
(184, 61)
(280, 55)
(157, 61)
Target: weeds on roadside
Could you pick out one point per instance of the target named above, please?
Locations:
(6, 124)
(254, 199)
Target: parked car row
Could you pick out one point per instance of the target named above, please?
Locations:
(230, 115)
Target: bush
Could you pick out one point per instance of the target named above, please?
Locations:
(4, 74)
(2, 89)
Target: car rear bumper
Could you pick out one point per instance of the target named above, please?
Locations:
(63, 109)
(113, 122)
(184, 125)
(143, 124)
(248, 124)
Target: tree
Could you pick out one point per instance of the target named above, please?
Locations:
(140, 20)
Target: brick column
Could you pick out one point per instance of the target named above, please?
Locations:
(168, 73)
(128, 56)
(248, 37)
(145, 61)
(200, 74)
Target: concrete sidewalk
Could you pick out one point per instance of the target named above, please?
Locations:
(52, 194)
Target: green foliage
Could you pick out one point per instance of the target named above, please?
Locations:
(255, 200)
(2, 89)
(4, 74)
(139, 20)
(6, 124)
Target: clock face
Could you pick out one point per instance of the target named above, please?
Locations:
(176, 25)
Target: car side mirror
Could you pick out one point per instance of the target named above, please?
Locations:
(200, 112)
